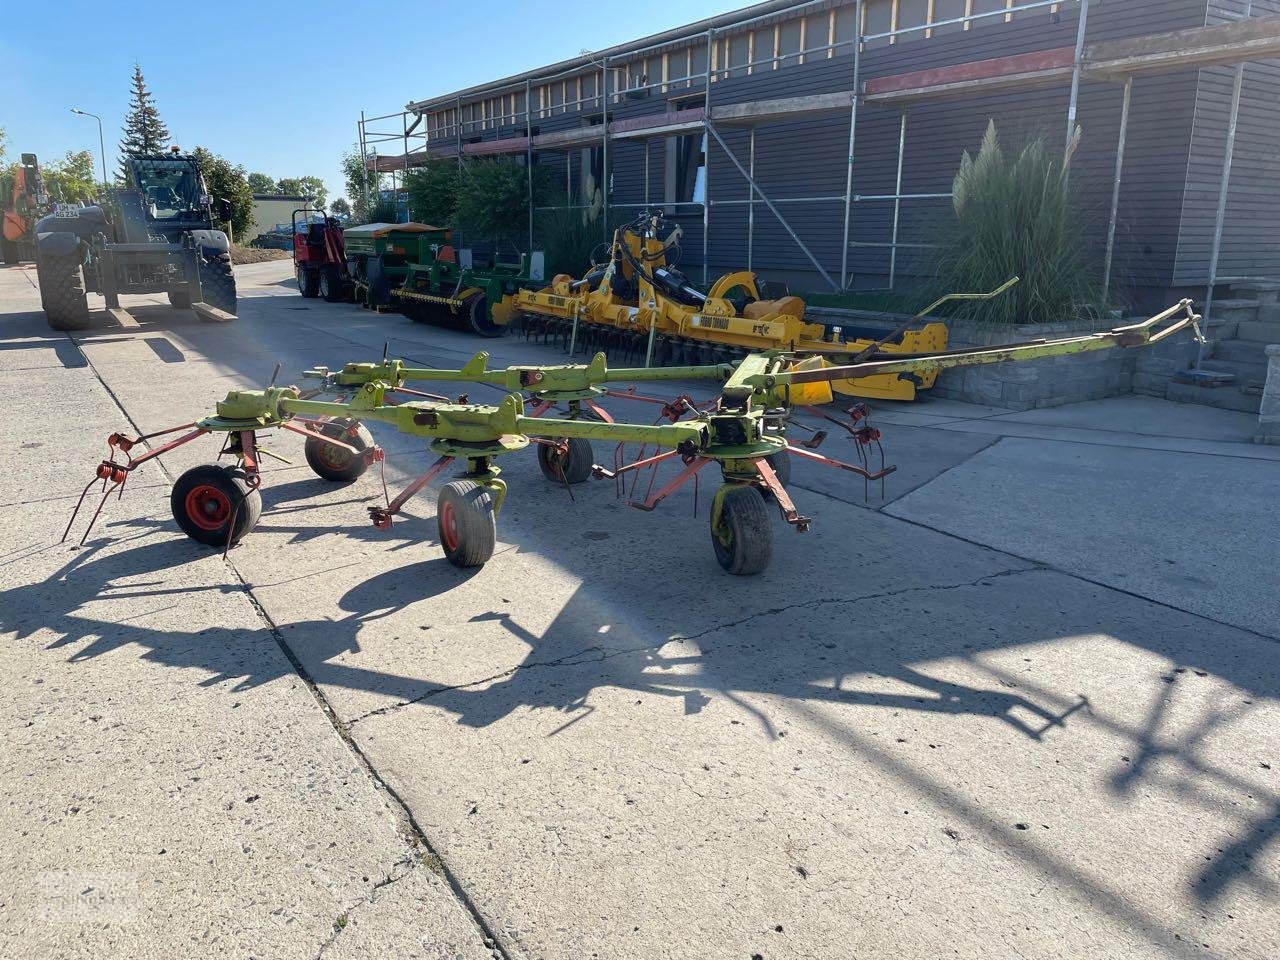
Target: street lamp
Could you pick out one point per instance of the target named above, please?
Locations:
(102, 147)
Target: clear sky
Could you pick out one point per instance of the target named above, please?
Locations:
(278, 87)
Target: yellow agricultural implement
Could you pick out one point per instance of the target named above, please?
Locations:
(639, 304)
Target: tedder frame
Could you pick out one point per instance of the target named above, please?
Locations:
(744, 431)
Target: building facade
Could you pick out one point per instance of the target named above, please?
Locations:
(851, 119)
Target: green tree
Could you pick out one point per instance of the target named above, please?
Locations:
(71, 179)
(340, 208)
(433, 192)
(362, 185)
(144, 131)
(261, 183)
(312, 187)
(228, 182)
(493, 198)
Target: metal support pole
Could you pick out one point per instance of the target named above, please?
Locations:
(897, 201)
(604, 156)
(1115, 189)
(751, 206)
(1074, 99)
(457, 126)
(648, 353)
(853, 134)
(1224, 187)
(646, 176)
(364, 165)
(706, 159)
(528, 162)
(770, 204)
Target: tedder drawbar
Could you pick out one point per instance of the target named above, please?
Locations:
(744, 431)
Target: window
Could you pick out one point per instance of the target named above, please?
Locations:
(686, 169)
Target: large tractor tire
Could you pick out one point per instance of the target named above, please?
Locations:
(330, 286)
(308, 281)
(218, 283)
(62, 292)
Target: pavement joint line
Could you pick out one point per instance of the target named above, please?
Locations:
(1099, 443)
(72, 496)
(341, 729)
(889, 501)
(1017, 556)
(1089, 580)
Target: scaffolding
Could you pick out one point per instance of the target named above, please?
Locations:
(1116, 61)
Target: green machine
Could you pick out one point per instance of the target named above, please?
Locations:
(415, 268)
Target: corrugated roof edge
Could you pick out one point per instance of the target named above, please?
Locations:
(685, 32)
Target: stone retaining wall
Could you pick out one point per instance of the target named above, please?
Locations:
(1026, 385)
(1051, 382)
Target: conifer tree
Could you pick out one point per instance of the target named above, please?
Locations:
(144, 131)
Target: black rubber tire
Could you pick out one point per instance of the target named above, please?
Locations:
(333, 463)
(476, 311)
(218, 283)
(207, 500)
(573, 467)
(329, 285)
(8, 251)
(62, 292)
(180, 300)
(746, 517)
(308, 281)
(467, 524)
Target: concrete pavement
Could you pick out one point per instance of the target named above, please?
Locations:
(1023, 706)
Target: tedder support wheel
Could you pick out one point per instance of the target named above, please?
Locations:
(308, 281)
(468, 528)
(62, 292)
(215, 504)
(573, 466)
(330, 285)
(218, 283)
(740, 530)
(334, 463)
(180, 299)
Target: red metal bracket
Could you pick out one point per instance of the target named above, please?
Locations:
(690, 472)
(785, 504)
(114, 475)
(381, 516)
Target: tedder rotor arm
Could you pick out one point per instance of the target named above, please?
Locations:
(1134, 335)
(482, 423)
(563, 378)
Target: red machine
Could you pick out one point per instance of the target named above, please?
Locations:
(320, 257)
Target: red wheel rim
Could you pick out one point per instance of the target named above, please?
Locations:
(448, 526)
(208, 507)
(335, 458)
